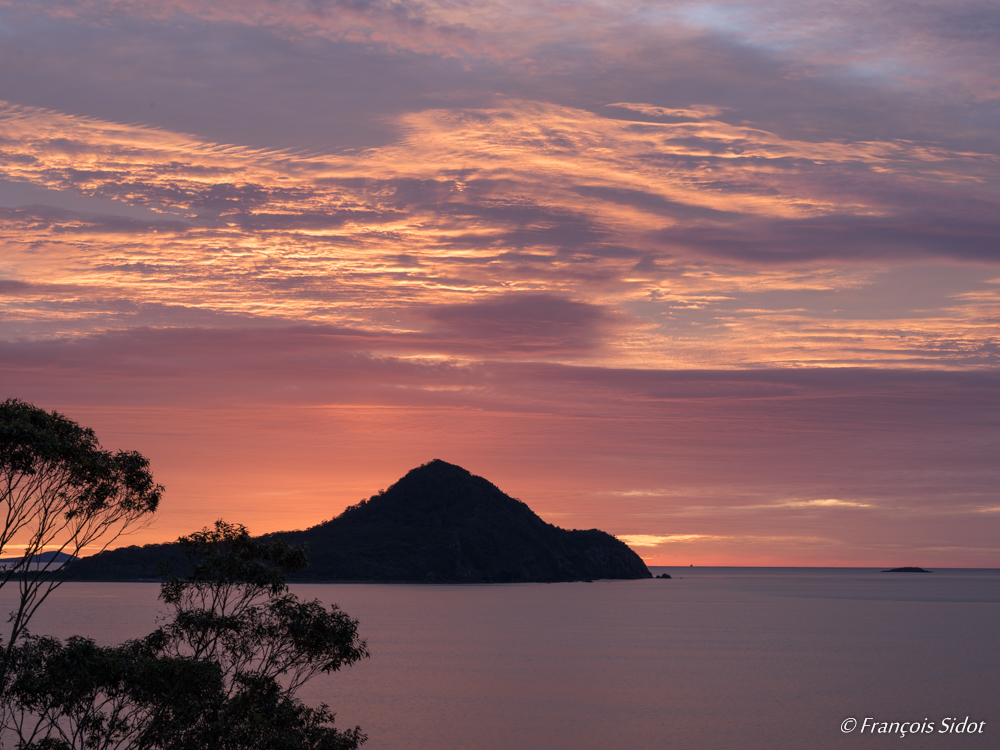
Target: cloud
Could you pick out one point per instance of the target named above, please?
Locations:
(846, 237)
(302, 74)
(658, 114)
(525, 323)
(827, 503)
(909, 43)
(652, 540)
(41, 218)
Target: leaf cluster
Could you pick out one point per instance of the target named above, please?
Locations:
(80, 695)
(234, 608)
(61, 492)
(220, 674)
(45, 449)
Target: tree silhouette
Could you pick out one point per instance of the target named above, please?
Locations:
(222, 674)
(60, 493)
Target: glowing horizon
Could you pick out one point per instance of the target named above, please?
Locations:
(718, 278)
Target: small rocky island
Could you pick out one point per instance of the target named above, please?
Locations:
(438, 524)
(907, 570)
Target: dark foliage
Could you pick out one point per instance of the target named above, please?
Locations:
(80, 695)
(39, 448)
(222, 674)
(60, 493)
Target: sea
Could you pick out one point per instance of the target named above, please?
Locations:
(728, 658)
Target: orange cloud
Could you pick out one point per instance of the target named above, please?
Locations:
(474, 205)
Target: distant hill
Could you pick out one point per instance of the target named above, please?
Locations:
(42, 559)
(439, 523)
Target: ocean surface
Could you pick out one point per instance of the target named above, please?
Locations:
(734, 658)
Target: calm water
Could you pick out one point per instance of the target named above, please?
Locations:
(754, 659)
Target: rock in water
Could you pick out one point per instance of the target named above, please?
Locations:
(907, 570)
(441, 523)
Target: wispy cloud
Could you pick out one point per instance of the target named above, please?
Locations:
(544, 201)
(827, 503)
(733, 505)
(652, 540)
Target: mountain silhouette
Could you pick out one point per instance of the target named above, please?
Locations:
(439, 523)
(42, 557)
(51, 560)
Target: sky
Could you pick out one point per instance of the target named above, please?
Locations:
(719, 278)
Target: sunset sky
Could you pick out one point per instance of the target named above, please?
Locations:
(722, 279)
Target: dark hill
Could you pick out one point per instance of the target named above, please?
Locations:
(41, 557)
(438, 523)
(132, 563)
